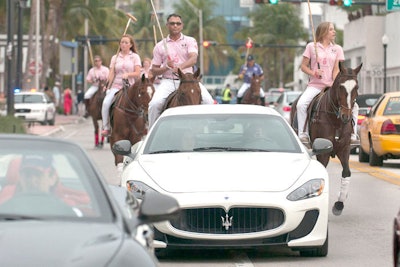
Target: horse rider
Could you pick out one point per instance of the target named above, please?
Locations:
(126, 64)
(227, 95)
(246, 73)
(97, 73)
(175, 51)
(321, 75)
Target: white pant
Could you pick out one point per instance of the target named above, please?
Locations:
(90, 92)
(164, 89)
(246, 86)
(106, 107)
(304, 102)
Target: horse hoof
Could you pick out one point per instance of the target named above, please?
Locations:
(337, 208)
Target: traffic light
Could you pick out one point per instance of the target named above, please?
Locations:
(347, 3)
(249, 44)
(207, 44)
(272, 2)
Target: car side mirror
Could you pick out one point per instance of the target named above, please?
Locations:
(321, 146)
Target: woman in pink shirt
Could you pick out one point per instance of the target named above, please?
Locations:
(321, 75)
(126, 64)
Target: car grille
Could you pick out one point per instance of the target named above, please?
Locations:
(23, 110)
(236, 221)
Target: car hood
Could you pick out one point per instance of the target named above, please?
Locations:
(51, 243)
(215, 172)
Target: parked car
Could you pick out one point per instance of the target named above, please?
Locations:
(380, 131)
(396, 240)
(211, 159)
(34, 107)
(272, 94)
(57, 210)
(284, 103)
(365, 102)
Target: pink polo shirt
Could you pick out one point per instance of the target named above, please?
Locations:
(326, 57)
(96, 74)
(178, 51)
(123, 65)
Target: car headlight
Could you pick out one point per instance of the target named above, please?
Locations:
(312, 188)
(138, 189)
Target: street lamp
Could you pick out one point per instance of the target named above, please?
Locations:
(385, 42)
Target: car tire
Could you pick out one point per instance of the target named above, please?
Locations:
(44, 122)
(362, 156)
(53, 120)
(374, 159)
(321, 251)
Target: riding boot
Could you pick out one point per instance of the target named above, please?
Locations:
(239, 100)
(86, 101)
(262, 99)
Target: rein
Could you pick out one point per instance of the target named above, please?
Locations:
(132, 107)
(338, 108)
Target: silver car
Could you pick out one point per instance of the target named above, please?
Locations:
(284, 103)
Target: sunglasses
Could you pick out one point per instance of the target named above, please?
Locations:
(175, 23)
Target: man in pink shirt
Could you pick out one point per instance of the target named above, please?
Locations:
(175, 51)
(97, 73)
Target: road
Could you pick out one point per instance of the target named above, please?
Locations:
(361, 236)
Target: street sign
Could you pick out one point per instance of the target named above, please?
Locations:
(393, 5)
(32, 68)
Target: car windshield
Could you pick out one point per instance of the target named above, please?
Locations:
(28, 98)
(221, 132)
(48, 180)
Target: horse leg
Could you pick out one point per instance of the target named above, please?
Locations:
(96, 132)
(344, 185)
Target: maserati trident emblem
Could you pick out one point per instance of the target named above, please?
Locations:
(227, 221)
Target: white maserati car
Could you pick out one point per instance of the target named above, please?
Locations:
(213, 160)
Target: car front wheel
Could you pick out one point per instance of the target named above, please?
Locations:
(321, 251)
(374, 159)
(362, 156)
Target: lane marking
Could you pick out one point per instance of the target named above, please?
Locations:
(377, 172)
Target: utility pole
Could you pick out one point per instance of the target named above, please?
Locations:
(9, 86)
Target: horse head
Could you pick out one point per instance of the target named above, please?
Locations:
(144, 92)
(255, 85)
(346, 86)
(190, 86)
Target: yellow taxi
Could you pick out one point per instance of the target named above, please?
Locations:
(380, 131)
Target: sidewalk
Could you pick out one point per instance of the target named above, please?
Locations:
(47, 130)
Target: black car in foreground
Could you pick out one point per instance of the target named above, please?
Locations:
(57, 210)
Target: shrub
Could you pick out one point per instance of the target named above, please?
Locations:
(11, 124)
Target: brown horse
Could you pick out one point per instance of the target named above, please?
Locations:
(95, 104)
(252, 94)
(128, 114)
(330, 117)
(188, 92)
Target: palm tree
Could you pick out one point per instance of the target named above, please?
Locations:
(276, 25)
(213, 29)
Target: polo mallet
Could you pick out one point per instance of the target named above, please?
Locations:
(90, 51)
(313, 34)
(249, 41)
(154, 29)
(159, 27)
(131, 18)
